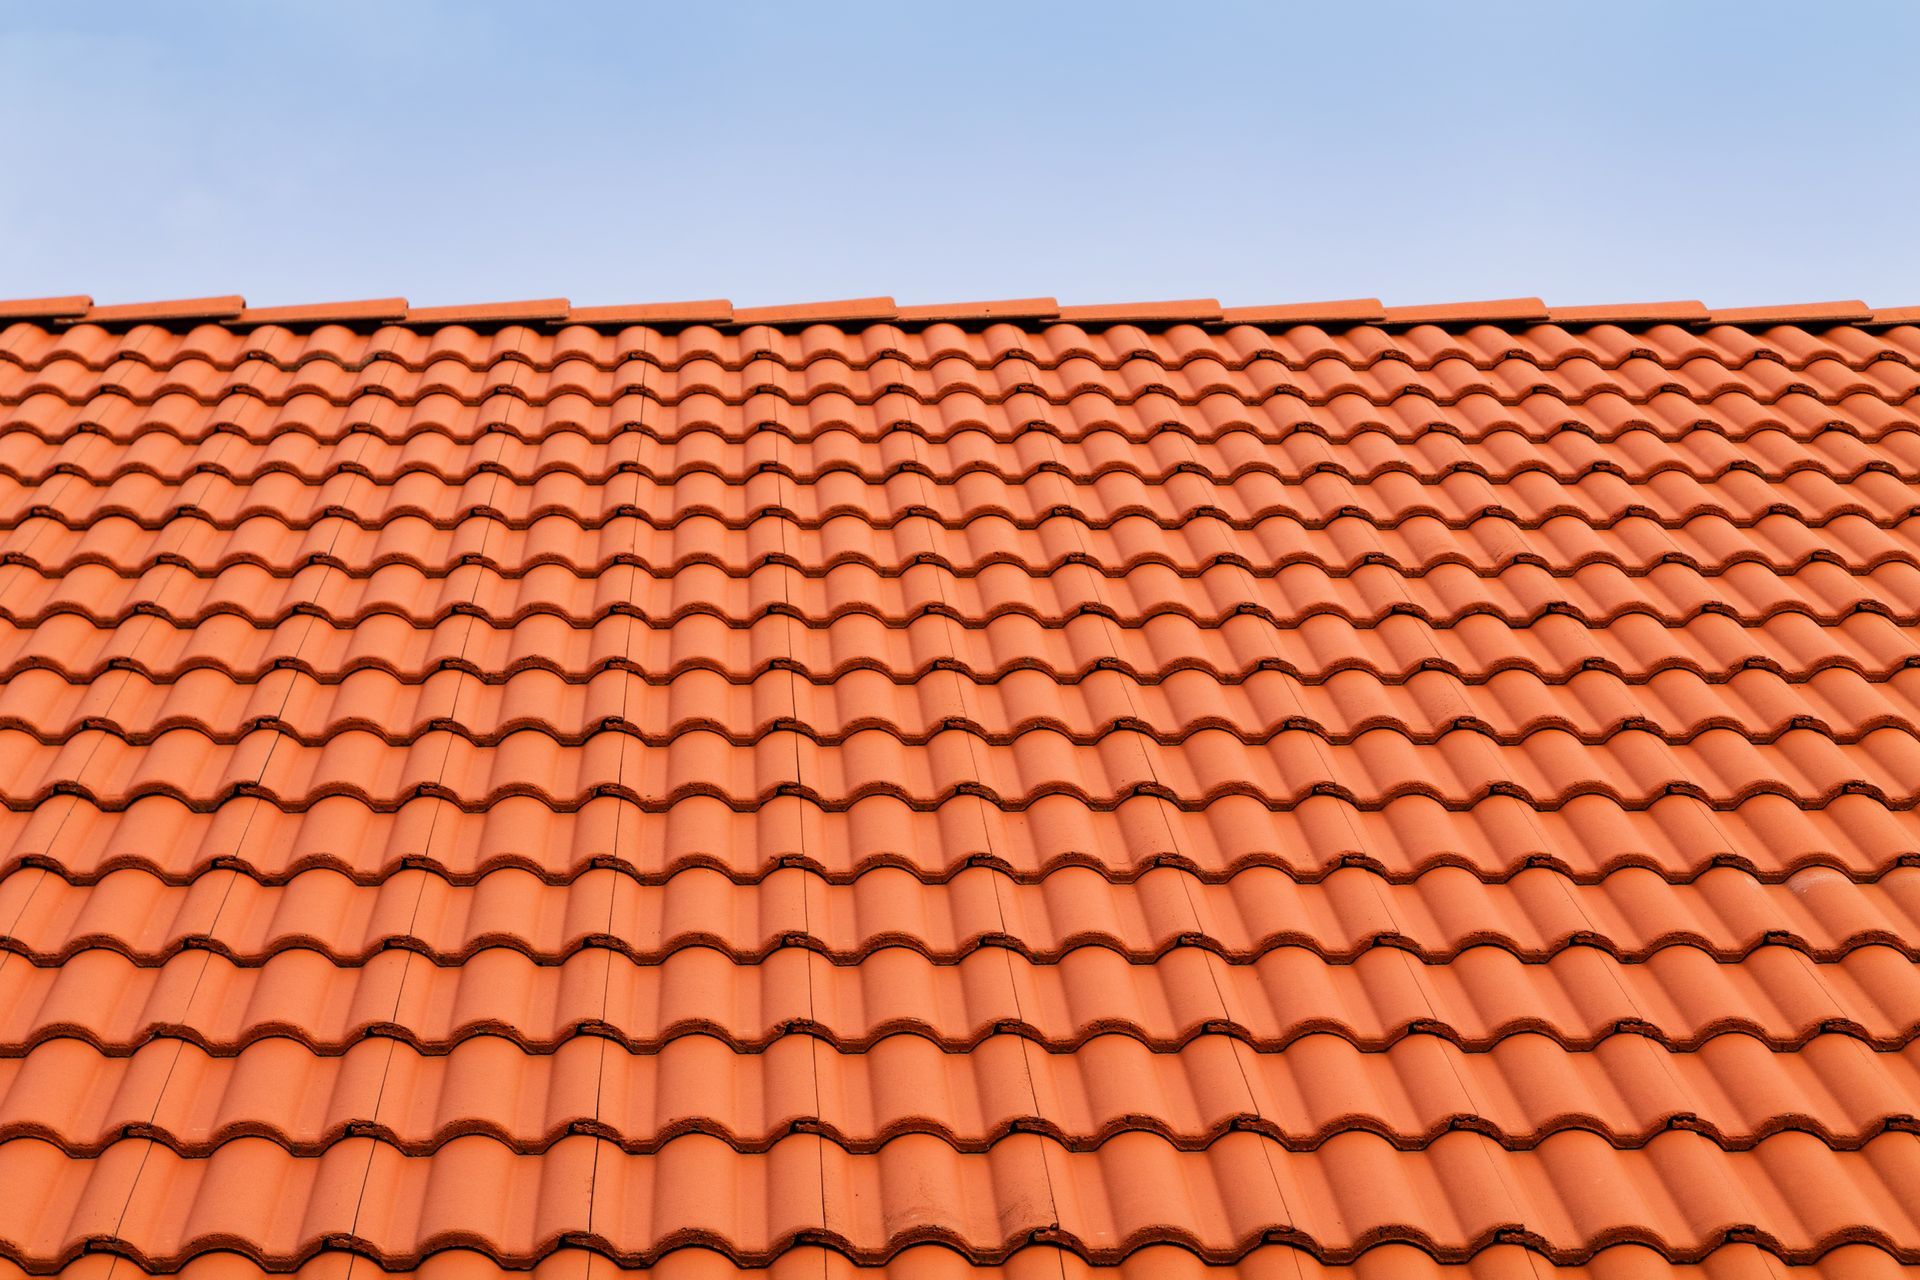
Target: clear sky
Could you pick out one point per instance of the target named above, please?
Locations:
(1740, 153)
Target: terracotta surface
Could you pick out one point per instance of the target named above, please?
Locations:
(994, 790)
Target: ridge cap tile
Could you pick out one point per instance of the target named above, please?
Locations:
(68, 307)
(1176, 310)
(209, 308)
(1847, 311)
(1003, 309)
(708, 311)
(356, 312)
(491, 312)
(1342, 311)
(1491, 311)
(840, 310)
(1684, 311)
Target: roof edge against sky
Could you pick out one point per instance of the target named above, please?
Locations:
(1509, 313)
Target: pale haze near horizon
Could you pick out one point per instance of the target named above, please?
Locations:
(1743, 154)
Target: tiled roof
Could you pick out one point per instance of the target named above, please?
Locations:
(999, 790)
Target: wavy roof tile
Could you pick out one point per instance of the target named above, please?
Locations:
(997, 790)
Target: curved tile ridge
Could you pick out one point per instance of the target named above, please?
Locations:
(1680, 997)
(1226, 452)
(1318, 651)
(1677, 837)
(1627, 1090)
(1633, 768)
(1414, 547)
(1884, 390)
(1519, 595)
(573, 425)
(1047, 1261)
(1320, 499)
(1295, 343)
(1507, 707)
(1456, 1198)
(1252, 378)
(1536, 915)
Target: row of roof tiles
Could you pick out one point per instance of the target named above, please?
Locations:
(765, 473)
(1732, 1261)
(1640, 380)
(233, 309)
(1536, 915)
(1734, 1090)
(1678, 997)
(1508, 707)
(1556, 650)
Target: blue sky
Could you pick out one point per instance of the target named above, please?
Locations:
(1741, 153)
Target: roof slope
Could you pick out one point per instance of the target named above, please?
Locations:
(1004, 791)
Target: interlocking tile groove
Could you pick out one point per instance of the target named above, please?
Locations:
(1626, 1089)
(1557, 650)
(1414, 546)
(1292, 343)
(1506, 706)
(1680, 997)
(1536, 915)
(1453, 1199)
(997, 789)
(1591, 837)
(1735, 1261)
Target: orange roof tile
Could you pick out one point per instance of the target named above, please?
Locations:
(1348, 311)
(363, 312)
(850, 310)
(1850, 312)
(216, 308)
(1687, 312)
(1502, 311)
(984, 790)
(491, 312)
(1143, 312)
(1005, 309)
(713, 311)
(63, 308)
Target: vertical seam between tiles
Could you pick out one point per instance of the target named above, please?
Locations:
(785, 444)
(433, 825)
(193, 991)
(617, 873)
(1234, 1046)
(940, 573)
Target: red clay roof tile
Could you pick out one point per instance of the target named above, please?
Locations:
(369, 310)
(1347, 311)
(1094, 791)
(1143, 312)
(1005, 309)
(1500, 311)
(491, 312)
(1849, 312)
(1688, 312)
(63, 308)
(217, 308)
(851, 310)
(713, 311)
